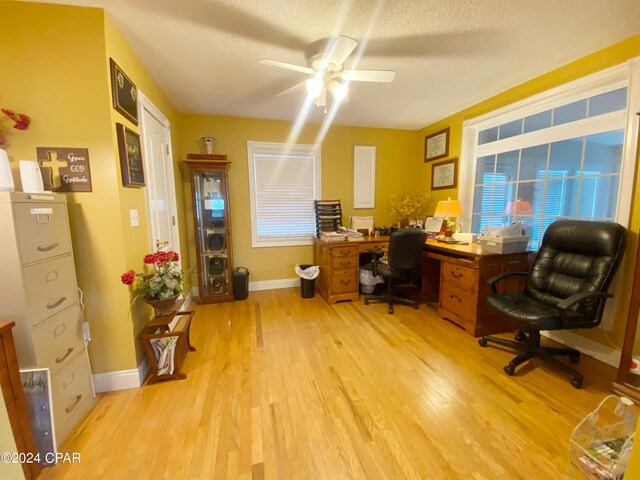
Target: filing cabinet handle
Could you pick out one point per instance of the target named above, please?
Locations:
(62, 358)
(455, 297)
(56, 303)
(70, 408)
(457, 275)
(46, 248)
(345, 282)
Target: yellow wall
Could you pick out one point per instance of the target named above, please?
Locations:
(56, 69)
(395, 171)
(608, 57)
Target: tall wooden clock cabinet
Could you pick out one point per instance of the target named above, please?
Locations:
(211, 217)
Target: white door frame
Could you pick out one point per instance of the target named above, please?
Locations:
(146, 104)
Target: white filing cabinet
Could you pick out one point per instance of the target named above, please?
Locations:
(38, 291)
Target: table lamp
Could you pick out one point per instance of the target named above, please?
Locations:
(448, 208)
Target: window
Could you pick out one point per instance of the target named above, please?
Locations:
(561, 154)
(284, 180)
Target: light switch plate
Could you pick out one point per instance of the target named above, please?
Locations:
(133, 214)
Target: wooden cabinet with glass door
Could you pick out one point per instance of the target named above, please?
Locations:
(210, 196)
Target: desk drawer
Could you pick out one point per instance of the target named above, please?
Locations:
(461, 277)
(344, 281)
(344, 262)
(458, 301)
(349, 251)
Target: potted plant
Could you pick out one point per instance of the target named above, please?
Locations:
(161, 285)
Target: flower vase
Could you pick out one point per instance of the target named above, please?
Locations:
(163, 307)
(404, 223)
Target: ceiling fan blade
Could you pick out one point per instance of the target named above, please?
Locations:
(295, 89)
(384, 76)
(288, 66)
(340, 50)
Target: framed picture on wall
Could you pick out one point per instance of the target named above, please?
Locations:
(130, 153)
(436, 145)
(124, 93)
(444, 174)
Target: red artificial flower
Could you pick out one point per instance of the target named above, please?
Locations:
(128, 277)
(21, 120)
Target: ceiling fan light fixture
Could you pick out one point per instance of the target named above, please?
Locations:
(315, 86)
(338, 90)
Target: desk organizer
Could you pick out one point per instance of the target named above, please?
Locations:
(503, 244)
(600, 445)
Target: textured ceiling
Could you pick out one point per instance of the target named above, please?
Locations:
(447, 55)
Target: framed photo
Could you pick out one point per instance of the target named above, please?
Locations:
(436, 145)
(124, 93)
(444, 174)
(130, 157)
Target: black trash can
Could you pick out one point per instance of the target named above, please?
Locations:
(241, 283)
(307, 287)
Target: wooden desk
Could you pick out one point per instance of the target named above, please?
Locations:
(454, 276)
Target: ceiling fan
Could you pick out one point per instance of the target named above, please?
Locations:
(328, 73)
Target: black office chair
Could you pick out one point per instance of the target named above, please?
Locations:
(566, 288)
(405, 252)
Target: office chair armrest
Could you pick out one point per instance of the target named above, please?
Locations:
(493, 280)
(564, 305)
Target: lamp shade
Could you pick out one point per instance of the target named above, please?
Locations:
(448, 208)
(519, 207)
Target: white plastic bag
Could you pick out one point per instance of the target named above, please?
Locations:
(367, 278)
(308, 273)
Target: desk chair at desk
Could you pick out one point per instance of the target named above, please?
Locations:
(405, 250)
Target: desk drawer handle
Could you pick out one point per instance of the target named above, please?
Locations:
(70, 408)
(46, 248)
(345, 264)
(345, 282)
(457, 275)
(55, 304)
(62, 358)
(455, 297)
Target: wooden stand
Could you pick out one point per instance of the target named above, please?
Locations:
(159, 327)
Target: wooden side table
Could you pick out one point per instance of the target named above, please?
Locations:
(174, 325)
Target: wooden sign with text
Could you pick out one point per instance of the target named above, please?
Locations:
(65, 169)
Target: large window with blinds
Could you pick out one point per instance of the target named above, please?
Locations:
(560, 157)
(284, 180)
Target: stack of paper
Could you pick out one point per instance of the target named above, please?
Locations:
(349, 233)
(332, 236)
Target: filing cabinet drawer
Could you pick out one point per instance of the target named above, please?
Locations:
(458, 301)
(50, 287)
(344, 281)
(459, 276)
(59, 339)
(348, 251)
(42, 230)
(71, 387)
(344, 262)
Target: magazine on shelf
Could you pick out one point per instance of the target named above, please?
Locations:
(164, 351)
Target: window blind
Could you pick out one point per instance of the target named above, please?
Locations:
(285, 184)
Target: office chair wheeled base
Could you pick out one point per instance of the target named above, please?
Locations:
(390, 299)
(529, 346)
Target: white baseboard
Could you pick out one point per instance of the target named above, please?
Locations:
(274, 284)
(120, 380)
(604, 353)
(188, 298)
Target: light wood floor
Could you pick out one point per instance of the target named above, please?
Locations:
(284, 387)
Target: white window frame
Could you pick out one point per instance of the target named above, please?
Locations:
(280, 149)
(626, 74)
